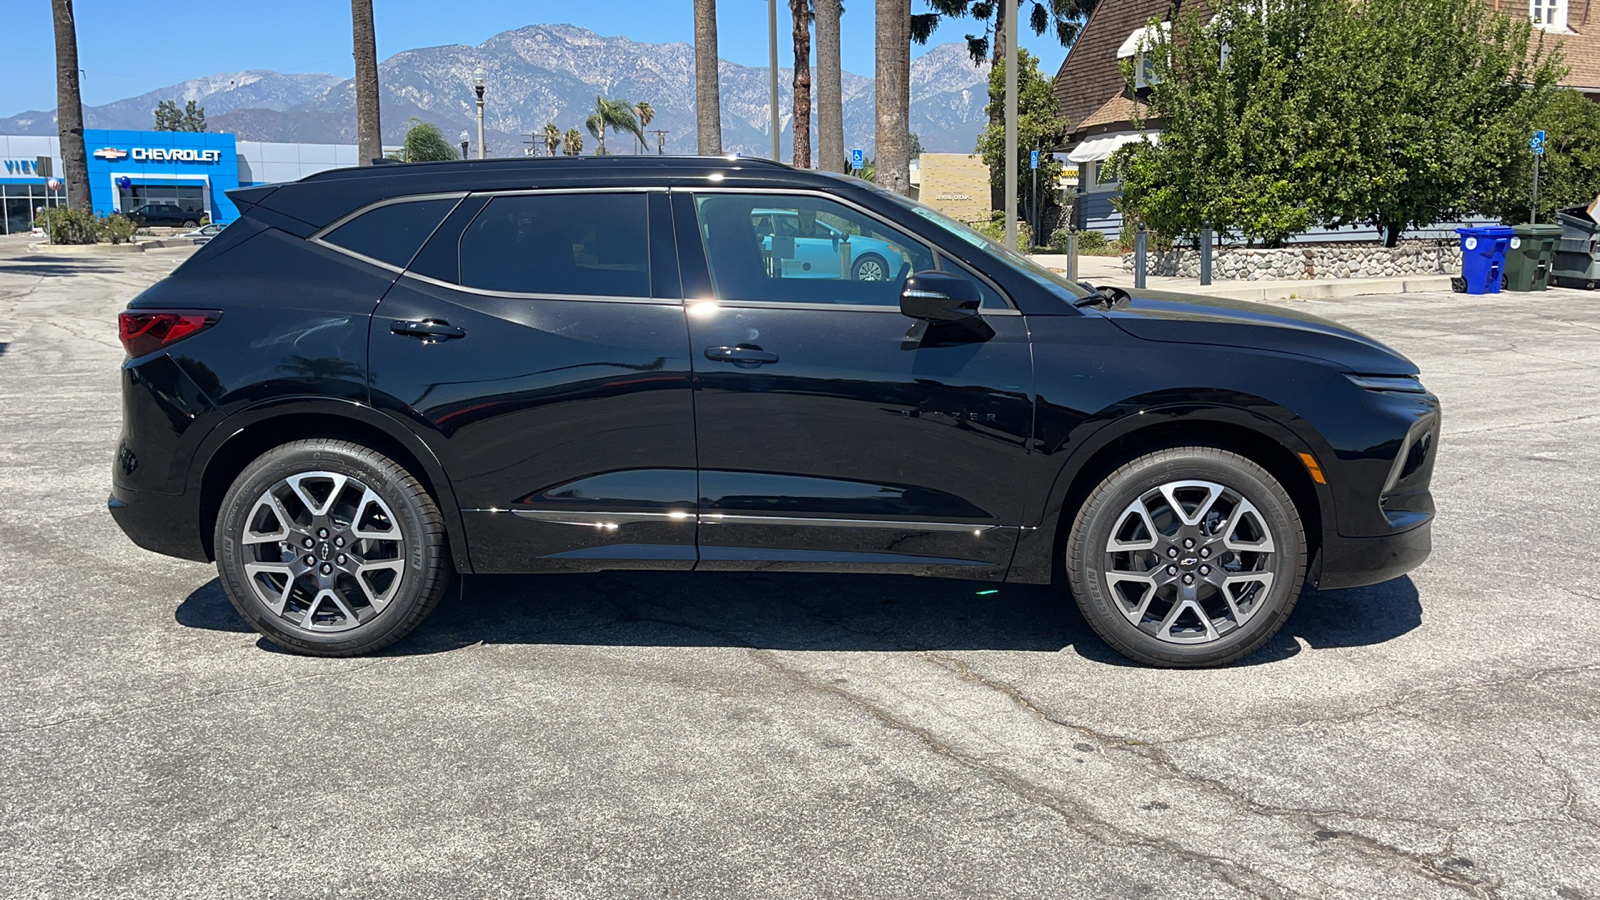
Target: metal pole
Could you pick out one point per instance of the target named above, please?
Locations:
(1011, 123)
(1072, 253)
(1140, 242)
(1533, 214)
(1206, 238)
(772, 47)
(1033, 210)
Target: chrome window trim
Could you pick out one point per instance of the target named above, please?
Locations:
(319, 238)
(936, 251)
(521, 295)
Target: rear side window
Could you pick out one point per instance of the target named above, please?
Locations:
(585, 244)
(391, 233)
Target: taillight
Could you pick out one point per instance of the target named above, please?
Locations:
(145, 331)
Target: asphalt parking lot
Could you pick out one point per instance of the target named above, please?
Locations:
(740, 736)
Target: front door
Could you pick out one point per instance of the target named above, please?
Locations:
(827, 438)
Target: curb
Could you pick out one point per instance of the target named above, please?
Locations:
(1320, 290)
(99, 249)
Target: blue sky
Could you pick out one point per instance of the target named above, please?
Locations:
(127, 48)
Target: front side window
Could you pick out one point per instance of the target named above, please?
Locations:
(803, 249)
(583, 244)
(391, 233)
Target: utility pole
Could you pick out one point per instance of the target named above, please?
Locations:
(1011, 123)
(661, 139)
(772, 47)
(477, 78)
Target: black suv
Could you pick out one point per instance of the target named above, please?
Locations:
(164, 214)
(379, 377)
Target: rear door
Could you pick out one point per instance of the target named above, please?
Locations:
(537, 341)
(828, 437)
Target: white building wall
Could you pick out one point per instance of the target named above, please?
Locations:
(267, 162)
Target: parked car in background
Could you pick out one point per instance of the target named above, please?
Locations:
(164, 214)
(376, 378)
(204, 233)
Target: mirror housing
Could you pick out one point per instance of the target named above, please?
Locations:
(932, 296)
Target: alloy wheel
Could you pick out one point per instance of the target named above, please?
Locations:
(1190, 562)
(870, 270)
(323, 551)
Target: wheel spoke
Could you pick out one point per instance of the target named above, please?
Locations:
(370, 499)
(1136, 614)
(379, 601)
(253, 571)
(1138, 510)
(1264, 579)
(270, 502)
(1243, 509)
(297, 483)
(1170, 491)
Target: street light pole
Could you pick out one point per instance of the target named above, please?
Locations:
(772, 47)
(1011, 123)
(477, 84)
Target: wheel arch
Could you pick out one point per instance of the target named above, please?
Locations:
(251, 432)
(1270, 444)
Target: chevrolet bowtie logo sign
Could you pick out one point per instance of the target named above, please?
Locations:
(110, 153)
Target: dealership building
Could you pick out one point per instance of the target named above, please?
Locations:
(191, 170)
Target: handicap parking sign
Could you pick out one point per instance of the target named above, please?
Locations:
(1034, 159)
(858, 159)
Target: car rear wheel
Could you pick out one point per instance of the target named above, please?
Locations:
(191, 224)
(1187, 557)
(329, 548)
(870, 267)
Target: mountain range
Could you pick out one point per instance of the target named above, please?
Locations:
(547, 73)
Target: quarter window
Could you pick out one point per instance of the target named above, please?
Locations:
(584, 244)
(391, 233)
(797, 249)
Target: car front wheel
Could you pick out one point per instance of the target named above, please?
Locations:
(329, 548)
(1187, 557)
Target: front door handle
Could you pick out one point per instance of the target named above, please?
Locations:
(430, 330)
(745, 356)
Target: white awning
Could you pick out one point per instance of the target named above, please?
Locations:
(1144, 38)
(1102, 146)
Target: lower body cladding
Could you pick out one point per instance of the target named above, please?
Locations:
(524, 540)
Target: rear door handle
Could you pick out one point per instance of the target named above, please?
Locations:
(745, 356)
(430, 330)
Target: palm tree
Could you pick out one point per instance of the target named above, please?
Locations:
(573, 145)
(369, 134)
(707, 102)
(800, 13)
(552, 139)
(894, 95)
(646, 114)
(69, 106)
(830, 98)
(613, 115)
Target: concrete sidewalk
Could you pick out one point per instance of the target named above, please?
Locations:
(1108, 270)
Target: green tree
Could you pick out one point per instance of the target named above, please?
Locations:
(1277, 115)
(552, 139)
(646, 114)
(424, 142)
(1569, 173)
(916, 145)
(611, 115)
(573, 145)
(1039, 126)
(170, 118)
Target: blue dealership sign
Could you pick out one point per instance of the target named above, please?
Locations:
(127, 166)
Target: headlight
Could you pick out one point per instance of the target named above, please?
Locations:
(1400, 384)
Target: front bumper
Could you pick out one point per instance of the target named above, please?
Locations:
(168, 524)
(1349, 562)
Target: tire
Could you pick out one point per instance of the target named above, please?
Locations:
(1236, 530)
(375, 572)
(870, 267)
(191, 224)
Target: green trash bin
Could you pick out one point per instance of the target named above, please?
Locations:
(1530, 256)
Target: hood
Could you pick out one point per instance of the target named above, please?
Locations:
(1189, 319)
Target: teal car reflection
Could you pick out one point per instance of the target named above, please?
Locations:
(820, 250)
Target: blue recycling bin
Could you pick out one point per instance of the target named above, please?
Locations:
(1483, 257)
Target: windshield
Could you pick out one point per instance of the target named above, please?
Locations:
(1050, 280)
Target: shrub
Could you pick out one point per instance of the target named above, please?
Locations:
(1091, 243)
(995, 230)
(66, 225)
(116, 229)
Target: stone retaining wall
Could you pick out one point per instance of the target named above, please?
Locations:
(1308, 262)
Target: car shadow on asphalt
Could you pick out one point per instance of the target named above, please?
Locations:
(816, 613)
(49, 265)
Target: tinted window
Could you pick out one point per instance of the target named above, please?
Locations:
(588, 244)
(391, 233)
(794, 249)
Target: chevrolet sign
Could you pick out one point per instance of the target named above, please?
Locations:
(162, 154)
(110, 153)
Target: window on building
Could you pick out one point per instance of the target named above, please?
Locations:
(391, 233)
(584, 244)
(803, 249)
(1548, 14)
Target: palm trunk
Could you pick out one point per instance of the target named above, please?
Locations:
(830, 99)
(69, 107)
(707, 102)
(369, 131)
(799, 11)
(894, 95)
(997, 118)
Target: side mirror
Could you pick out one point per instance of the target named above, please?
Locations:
(939, 297)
